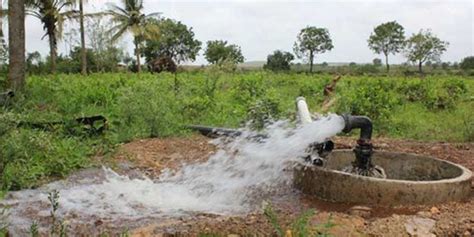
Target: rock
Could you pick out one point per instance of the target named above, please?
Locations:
(434, 210)
(467, 233)
(425, 214)
(233, 235)
(420, 227)
(361, 211)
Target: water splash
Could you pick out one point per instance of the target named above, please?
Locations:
(234, 180)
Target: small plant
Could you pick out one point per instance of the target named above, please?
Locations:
(300, 227)
(53, 198)
(3, 222)
(34, 229)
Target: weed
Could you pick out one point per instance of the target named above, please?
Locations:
(34, 229)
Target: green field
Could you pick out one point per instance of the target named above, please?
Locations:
(159, 105)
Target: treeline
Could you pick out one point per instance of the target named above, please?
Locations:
(167, 43)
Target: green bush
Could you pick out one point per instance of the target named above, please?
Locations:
(29, 156)
(374, 98)
(413, 90)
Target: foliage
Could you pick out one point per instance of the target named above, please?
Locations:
(372, 98)
(467, 63)
(3, 221)
(279, 61)
(377, 61)
(424, 46)
(433, 108)
(387, 38)
(103, 54)
(175, 40)
(310, 41)
(300, 226)
(218, 51)
(129, 18)
(53, 14)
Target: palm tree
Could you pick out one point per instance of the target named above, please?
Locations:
(130, 18)
(83, 38)
(16, 39)
(53, 14)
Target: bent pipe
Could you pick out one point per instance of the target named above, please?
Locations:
(362, 122)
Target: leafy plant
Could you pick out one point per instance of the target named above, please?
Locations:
(300, 226)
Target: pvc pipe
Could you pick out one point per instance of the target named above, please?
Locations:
(302, 111)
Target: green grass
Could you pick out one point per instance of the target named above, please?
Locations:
(139, 106)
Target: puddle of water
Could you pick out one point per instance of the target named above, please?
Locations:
(233, 181)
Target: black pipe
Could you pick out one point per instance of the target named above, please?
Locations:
(362, 122)
(214, 132)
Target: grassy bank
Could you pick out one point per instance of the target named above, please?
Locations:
(434, 108)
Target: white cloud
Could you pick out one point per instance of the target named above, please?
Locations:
(261, 27)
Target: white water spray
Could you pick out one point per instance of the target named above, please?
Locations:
(235, 180)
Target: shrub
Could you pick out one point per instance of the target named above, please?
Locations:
(467, 63)
(373, 98)
(27, 156)
(413, 89)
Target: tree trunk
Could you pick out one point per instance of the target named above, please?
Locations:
(52, 50)
(386, 62)
(420, 63)
(83, 39)
(311, 58)
(16, 39)
(2, 40)
(137, 54)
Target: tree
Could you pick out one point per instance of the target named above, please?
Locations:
(310, 41)
(53, 14)
(218, 51)
(83, 38)
(3, 45)
(106, 55)
(387, 38)
(16, 40)
(424, 46)
(174, 41)
(130, 18)
(467, 63)
(377, 61)
(279, 61)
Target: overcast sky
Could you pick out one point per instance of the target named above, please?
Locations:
(261, 27)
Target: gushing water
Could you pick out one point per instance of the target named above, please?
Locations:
(233, 181)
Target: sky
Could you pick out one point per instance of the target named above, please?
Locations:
(260, 27)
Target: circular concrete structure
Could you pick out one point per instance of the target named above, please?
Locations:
(411, 179)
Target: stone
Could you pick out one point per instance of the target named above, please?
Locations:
(420, 227)
(361, 211)
(434, 210)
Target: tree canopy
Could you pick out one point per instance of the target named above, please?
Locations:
(467, 63)
(218, 51)
(387, 38)
(279, 61)
(310, 41)
(175, 41)
(424, 46)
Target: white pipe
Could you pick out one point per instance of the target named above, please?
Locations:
(302, 111)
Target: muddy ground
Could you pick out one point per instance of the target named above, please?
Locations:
(151, 156)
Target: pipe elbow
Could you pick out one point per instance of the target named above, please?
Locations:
(362, 122)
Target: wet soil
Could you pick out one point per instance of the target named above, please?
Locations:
(151, 156)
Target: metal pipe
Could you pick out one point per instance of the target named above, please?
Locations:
(214, 132)
(362, 122)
